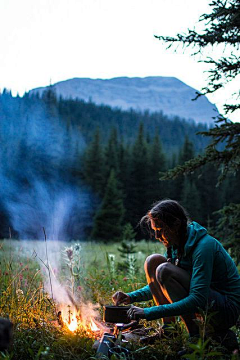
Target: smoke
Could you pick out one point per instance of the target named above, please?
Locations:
(40, 156)
(41, 190)
(55, 207)
(65, 290)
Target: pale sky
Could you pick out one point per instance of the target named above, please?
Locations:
(45, 41)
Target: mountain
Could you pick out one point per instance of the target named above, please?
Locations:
(166, 94)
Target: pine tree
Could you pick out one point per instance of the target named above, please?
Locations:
(93, 164)
(128, 233)
(124, 164)
(138, 202)
(50, 99)
(190, 198)
(157, 162)
(108, 220)
(212, 197)
(222, 27)
(228, 229)
(112, 154)
(185, 153)
(232, 189)
(127, 249)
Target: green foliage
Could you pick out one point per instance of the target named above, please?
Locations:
(88, 116)
(73, 259)
(190, 199)
(228, 160)
(211, 197)
(200, 351)
(50, 99)
(157, 162)
(109, 139)
(108, 220)
(112, 154)
(228, 229)
(187, 152)
(222, 27)
(128, 233)
(184, 187)
(48, 342)
(138, 179)
(127, 249)
(37, 335)
(93, 164)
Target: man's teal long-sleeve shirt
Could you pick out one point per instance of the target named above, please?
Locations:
(209, 265)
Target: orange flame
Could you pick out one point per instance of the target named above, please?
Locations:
(94, 326)
(73, 324)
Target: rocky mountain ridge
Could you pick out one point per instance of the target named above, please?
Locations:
(155, 94)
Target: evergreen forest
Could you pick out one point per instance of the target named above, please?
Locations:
(99, 166)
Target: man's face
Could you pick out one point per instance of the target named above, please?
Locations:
(163, 233)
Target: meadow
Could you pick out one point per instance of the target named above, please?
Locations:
(40, 278)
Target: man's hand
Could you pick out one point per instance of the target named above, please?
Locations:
(136, 313)
(121, 298)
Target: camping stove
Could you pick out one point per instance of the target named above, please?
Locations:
(113, 342)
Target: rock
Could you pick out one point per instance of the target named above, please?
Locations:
(5, 333)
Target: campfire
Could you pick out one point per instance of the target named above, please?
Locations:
(73, 313)
(71, 319)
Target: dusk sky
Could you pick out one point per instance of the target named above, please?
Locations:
(46, 41)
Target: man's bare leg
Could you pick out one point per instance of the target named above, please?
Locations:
(151, 264)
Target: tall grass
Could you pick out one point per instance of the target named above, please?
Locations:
(94, 272)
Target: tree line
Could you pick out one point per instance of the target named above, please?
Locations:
(117, 156)
(126, 180)
(221, 31)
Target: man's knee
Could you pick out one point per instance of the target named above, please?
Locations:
(152, 262)
(164, 272)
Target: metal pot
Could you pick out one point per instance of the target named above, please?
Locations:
(116, 314)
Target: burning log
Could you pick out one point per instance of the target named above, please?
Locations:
(70, 319)
(60, 319)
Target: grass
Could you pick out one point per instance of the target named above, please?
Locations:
(91, 271)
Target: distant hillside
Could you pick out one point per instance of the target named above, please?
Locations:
(45, 146)
(86, 117)
(166, 94)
